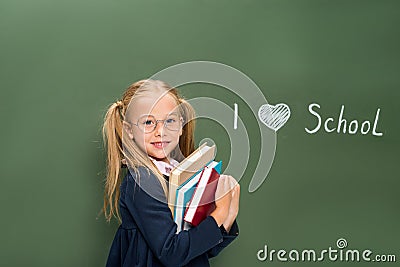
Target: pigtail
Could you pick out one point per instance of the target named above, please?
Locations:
(112, 137)
(186, 141)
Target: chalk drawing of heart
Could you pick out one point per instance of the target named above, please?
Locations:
(274, 117)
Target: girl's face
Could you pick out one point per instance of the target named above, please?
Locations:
(150, 112)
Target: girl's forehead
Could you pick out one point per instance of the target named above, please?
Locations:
(154, 105)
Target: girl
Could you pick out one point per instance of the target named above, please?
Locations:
(149, 131)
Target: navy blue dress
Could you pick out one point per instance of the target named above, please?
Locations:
(147, 235)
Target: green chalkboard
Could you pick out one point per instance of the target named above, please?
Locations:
(331, 174)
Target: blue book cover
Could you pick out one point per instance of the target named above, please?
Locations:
(185, 191)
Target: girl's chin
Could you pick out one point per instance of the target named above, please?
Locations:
(159, 157)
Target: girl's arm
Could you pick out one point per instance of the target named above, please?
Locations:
(155, 222)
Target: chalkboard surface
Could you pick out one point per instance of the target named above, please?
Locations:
(332, 182)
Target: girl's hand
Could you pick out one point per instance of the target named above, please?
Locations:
(234, 207)
(223, 197)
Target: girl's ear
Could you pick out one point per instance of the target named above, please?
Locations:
(128, 129)
(181, 129)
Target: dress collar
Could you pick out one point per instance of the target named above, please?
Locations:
(164, 167)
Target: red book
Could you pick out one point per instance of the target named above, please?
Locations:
(203, 199)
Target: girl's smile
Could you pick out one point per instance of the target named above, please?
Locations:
(160, 145)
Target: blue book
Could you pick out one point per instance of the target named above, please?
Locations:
(184, 194)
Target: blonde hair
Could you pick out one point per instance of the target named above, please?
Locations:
(121, 150)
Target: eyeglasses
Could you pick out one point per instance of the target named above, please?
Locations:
(148, 123)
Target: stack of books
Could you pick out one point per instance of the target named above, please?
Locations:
(192, 186)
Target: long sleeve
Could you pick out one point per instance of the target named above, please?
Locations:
(227, 239)
(148, 206)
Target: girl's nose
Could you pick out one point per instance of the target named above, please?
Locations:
(160, 129)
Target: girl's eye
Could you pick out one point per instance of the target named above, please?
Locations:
(170, 120)
(148, 122)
